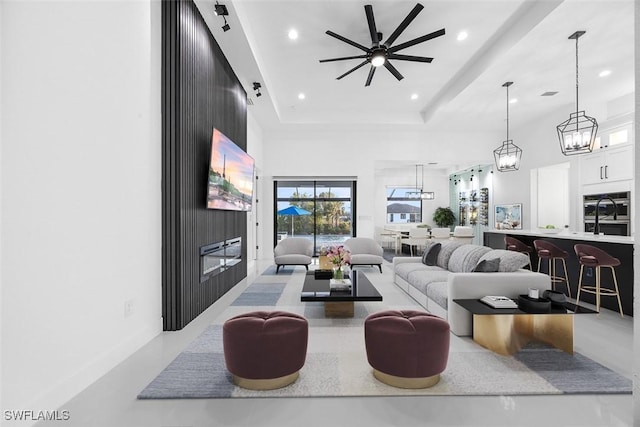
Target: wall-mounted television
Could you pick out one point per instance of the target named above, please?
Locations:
(230, 175)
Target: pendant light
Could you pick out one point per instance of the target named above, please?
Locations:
(508, 155)
(424, 195)
(578, 133)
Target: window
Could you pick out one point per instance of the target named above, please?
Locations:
(323, 211)
(403, 205)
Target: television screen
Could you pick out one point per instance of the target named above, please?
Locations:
(230, 175)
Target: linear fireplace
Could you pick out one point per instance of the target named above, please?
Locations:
(219, 256)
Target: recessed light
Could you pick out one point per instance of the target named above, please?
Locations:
(414, 96)
(293, 34)
(604, 73)
(301, 96)
(462, 35)
(513, 100)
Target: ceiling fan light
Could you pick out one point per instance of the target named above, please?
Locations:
(378, 59)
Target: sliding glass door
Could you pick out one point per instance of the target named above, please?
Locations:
(322, 211)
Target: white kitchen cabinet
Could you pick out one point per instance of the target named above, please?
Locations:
(607, 165)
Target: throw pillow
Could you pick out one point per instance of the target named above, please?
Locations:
(430, 255)
(487, 266)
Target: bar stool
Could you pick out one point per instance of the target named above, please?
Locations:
(516, 245)
(550, 252)
(590, 256)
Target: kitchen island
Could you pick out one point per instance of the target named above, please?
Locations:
(620, 247)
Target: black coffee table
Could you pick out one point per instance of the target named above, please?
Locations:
(339, 303)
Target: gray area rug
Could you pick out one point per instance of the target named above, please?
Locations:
(336, 363)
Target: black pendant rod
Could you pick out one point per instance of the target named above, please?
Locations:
(576, 36)
(577, 71)
(507, 84)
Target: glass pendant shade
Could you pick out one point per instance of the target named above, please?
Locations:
(427, 195)
(577, 134)
(507, 156)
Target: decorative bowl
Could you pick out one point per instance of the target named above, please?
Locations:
(549, 230)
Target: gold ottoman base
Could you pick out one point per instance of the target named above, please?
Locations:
(404, 382)
(266, 384)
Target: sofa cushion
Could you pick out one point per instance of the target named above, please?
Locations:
(488, 266)
(465, 258)
(437, 291)
(509, 260)
(430, 254)
(403, 270)
(446, 250)
(422, 279)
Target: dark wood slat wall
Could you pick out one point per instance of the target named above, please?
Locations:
(200, 91)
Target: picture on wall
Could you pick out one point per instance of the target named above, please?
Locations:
(509, 217)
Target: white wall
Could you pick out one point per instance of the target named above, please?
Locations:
(316, 151)
(81, 200)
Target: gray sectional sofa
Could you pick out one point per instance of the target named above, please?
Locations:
(453, 277)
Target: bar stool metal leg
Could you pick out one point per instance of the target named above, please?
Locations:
(579, 285)
(615, 283)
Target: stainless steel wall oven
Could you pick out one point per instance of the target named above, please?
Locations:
(613, 218)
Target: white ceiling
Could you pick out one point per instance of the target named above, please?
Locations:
(509, 40)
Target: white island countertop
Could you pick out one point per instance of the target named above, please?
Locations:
(566, 234)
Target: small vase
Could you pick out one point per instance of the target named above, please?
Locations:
(338, 273)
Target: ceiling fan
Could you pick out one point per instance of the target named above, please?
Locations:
(381, 53)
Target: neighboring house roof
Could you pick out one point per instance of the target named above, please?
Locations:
(402, 208)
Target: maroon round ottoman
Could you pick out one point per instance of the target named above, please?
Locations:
(407, 348)
(265, 350)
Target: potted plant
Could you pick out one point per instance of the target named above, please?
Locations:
(444, 217)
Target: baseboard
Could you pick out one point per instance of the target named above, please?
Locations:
(63, 391)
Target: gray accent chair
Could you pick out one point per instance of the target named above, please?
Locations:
(293, 251)
(364, 251)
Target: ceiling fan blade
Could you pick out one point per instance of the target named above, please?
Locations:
(370, 76)
(346, 40)
(404, 24)
(409, 58)
(418, 40)
(393, 70)
(343, 58)
(368, 10)
(362, 64)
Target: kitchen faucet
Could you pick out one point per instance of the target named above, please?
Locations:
(596, 226)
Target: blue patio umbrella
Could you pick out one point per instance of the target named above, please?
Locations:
(293, 211)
